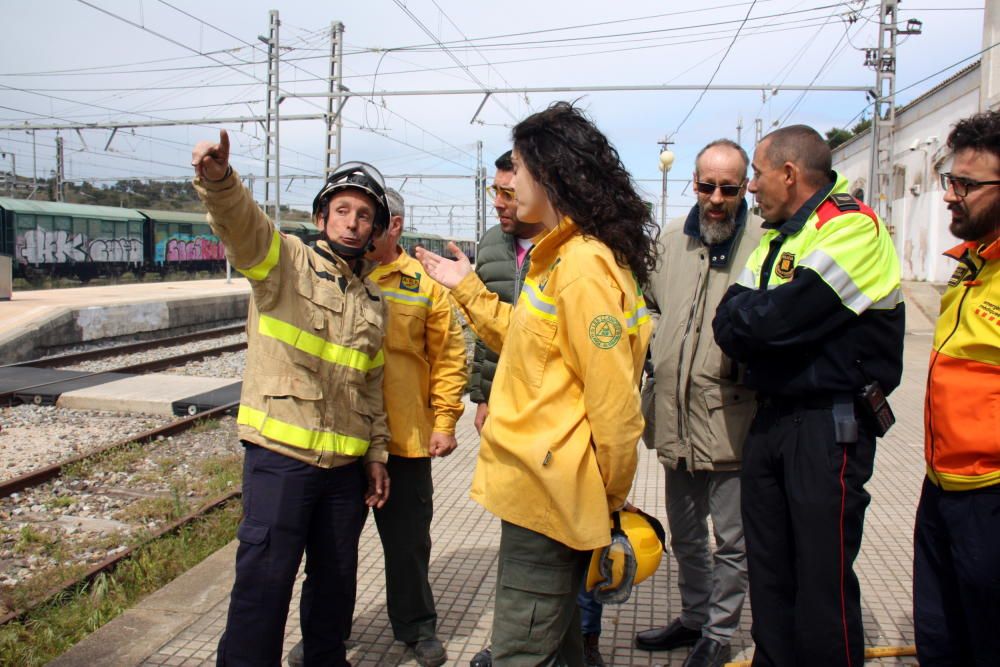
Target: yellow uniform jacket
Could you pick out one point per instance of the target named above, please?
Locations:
(312, 388)
(425, 370)
(558, 449)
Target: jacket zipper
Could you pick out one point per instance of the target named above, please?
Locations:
(681, 412)
(772, 252)
(928, 406)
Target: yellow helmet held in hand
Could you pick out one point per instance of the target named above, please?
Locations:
(637, 544)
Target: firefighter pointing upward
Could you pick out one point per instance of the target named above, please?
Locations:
(311, 418)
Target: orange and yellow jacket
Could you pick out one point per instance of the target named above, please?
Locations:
(962, 406)
(558, 449)
(425, 370)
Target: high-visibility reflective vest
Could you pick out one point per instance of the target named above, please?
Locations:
(962, 405)
(312, 388)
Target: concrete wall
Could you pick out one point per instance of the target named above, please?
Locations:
(113, 321)
(919, 221)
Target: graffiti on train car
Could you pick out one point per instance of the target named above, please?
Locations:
(188, 248)
(44, 246)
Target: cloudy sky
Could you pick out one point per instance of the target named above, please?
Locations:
(105, 61)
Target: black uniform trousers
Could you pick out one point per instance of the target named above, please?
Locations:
(803, 502)
(956, 577)
(404, 526)
(290, 507)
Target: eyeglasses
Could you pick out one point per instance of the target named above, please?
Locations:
(709, 188)
(962, 185)
(505, 194)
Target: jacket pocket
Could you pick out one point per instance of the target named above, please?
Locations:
(291, 399)
(405, 330)
(324, 305)
(730, 410)
(532, 342)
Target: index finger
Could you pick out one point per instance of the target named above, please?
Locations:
(224, 142)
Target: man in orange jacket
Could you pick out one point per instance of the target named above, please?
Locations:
(956, 559)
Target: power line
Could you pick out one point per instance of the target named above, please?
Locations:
(717, 68)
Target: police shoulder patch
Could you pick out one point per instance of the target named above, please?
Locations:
(786, 265)
(605, 331)
(410, 283)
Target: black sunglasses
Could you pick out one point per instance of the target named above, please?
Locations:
(709, 188)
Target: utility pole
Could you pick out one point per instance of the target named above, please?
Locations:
(272, 156)
(739, 130)
(334, 122)
(60, 195)
(666, 162)
(758, 131)
(480, 193)
(881, 173)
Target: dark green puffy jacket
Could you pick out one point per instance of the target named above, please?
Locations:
(496, 266)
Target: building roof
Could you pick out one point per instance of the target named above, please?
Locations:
(174, 216)
(69, 210)
(917, 100)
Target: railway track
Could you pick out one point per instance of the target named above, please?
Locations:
(35, 480)
(69, 359)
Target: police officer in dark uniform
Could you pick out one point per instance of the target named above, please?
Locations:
(817, 319)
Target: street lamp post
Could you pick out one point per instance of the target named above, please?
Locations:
(666, 162)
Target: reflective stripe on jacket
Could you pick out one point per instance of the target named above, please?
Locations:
(559, 446)
(819, 307)
(962, 405)
(424, 357)
(702, 412)
(312, 387)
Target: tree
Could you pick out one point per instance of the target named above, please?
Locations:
(836, 136)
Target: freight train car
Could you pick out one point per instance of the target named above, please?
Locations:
(55, 238)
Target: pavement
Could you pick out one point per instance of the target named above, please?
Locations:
(181, 623)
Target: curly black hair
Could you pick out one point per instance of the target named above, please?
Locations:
(585, 179)
(980, 132)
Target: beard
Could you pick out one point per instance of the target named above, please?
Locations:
(973, 227)
(712, 231)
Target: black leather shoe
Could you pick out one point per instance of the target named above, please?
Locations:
(670, 637)
(708, 653)
(429, 652)
(482, 659)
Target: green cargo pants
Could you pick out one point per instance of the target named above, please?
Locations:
(536, 620)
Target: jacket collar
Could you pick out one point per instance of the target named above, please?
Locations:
(547, 243)
(403, 264)
(987, 252)
(719, 254)
(798, 220)
(360, 267)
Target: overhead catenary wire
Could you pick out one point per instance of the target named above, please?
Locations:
(717, 68)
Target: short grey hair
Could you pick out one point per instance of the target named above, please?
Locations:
(395, 202)
(727, 143)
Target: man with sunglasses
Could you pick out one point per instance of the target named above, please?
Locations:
(817, 317)
(311, 415)
(702, 412)
(956, 552)
(502, 260)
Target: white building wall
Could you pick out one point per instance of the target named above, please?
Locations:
(919, 221)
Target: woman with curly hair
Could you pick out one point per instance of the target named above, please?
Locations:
(558, 449)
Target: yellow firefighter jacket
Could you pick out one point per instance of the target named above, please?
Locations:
(312, 388)
(424, 350)
(558, 449)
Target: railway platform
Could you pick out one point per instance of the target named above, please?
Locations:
(37, 319)
(181, 623)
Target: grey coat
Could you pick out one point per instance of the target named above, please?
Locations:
(702, 413)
